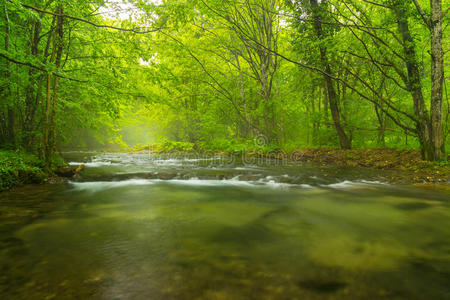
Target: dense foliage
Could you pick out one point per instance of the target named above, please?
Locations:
(222, 74)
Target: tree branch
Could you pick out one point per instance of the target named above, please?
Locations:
(28, 64)
(88, 22)
(377, 4)
(424, 16)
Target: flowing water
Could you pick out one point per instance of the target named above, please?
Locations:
(139, 226)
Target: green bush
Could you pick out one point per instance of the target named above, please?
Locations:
(19, 168)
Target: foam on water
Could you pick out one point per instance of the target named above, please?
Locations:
(210, 182)
(95, 186)
(145, 162)
(95, 164)
(349, 184)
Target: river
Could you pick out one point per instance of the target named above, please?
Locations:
(140, 226)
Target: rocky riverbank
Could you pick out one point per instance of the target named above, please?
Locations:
(411, 168)
(407, 164)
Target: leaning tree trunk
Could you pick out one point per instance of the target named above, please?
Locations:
(344, 140)
(333, 99)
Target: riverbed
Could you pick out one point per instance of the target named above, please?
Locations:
(145, 226)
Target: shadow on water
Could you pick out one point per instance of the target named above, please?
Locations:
(322, 286)
(412, 206)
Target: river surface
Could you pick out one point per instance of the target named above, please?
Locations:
(140, 226)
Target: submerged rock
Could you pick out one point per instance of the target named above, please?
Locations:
(166, 176)
(69, 172)
(56, 180)
(412, 206)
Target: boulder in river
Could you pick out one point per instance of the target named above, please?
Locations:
(166, 176)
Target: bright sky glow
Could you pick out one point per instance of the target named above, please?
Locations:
(117, 9)
(125, 10)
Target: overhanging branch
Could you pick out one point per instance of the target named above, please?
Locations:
(28, 64)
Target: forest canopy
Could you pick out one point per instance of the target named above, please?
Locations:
(77, 74)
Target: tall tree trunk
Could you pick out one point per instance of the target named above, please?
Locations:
(314, 122)
(437, 79)
(11, 112)
(268, 65)
(414, 83)
(245, 128)
(49, 105)
(46, 148)
(325, 107)
(32, 95)
(333, 100)
(59, 51)
(381, 127)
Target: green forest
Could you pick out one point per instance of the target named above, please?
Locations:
(219, 73)
(224, 149)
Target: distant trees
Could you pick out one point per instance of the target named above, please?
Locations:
(348, 73)
(392, 51)
(366, 53)
(256, 25)
(50, 72)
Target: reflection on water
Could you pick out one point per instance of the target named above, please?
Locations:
(145, 230)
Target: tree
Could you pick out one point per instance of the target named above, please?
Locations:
(316, 13)
(434, 25)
